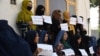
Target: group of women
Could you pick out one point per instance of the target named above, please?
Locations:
(52, 34)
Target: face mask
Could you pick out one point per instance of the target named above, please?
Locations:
(29, 8)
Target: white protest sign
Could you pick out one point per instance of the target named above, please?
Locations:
(64, 26)
(68, 52)
(83, 52)
(38, 20)
(72, 21)
(79, 20)
(54, 54)
(47, 50)
(47, 19)
(91, 50)
(45, 47)
(45, 53)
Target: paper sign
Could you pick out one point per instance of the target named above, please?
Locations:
(73, 21)
(38, 20)
(54, 54)
(45, 47)
(83, 52)
(79, 20)
(68, 52)
(64, 26)
(47, 50)
(91, 50)
(47, 19)
(45, 53)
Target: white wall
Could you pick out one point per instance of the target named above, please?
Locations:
(83, 9)
(9, 12)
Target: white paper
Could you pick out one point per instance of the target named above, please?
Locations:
(83, 52)
(68, 52)
(45, 47)
(64, 26)
(45, 53)
(79, 20)
(91, 50)
(73, 21)
(38, 20)
(47, 19)
(54, 54)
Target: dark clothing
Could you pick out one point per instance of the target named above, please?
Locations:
(30, 37)
(79, 28)
(10, 43)
(55, 28)
(76, 46)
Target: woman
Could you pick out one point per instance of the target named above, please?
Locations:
(32, 38)
(55, 27)
(24, 16)
(76, 45)
(44, 37)
(65, 41)
(40, 11)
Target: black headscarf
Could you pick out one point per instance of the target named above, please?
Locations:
(30, 37)
(39, 10)
(10, 43)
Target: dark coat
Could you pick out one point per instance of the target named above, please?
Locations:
(10, 43)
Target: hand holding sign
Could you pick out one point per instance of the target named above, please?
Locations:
(38, 20)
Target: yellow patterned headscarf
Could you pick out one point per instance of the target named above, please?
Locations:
(66, 16)
(25, 15)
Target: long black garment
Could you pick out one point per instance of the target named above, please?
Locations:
(10, 43)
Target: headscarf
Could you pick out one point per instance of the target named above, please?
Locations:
(10, 43)
(65, 42)
(25, 15)
(66, 16)
(30, 37)
(39, 10)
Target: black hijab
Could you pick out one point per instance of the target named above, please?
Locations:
(39, 10)
(30, 37)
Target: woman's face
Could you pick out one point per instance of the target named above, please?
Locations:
(36, 38)
(65, 36)
(79, 40)
(46, 37)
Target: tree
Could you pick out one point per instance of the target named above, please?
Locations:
(95, 3)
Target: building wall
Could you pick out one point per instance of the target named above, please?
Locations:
(9, 12)
(83, 9)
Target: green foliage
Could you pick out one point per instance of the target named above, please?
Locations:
(94, 3)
